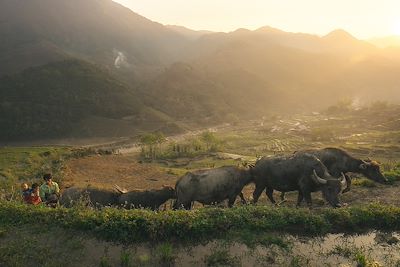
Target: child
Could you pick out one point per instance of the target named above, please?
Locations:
(50, 191)
(31, 196)
(25, 190)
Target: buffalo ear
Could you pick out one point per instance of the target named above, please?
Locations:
(363, 166)
(165, 186)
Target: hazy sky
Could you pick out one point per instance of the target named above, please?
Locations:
(362, 18)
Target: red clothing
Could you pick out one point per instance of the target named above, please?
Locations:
(32, 199)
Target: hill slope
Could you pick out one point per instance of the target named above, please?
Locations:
(51, 100)
(97, 30)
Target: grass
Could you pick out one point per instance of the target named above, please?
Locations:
(39, 246)
(132, 226)
(28, 164)
(393, 175)
(298, 261)
(357, 254)
(165, 254)
(363, 182)
(221, 257)
(251, 239)
(126, 259)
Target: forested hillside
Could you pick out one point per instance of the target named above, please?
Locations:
(47, 101)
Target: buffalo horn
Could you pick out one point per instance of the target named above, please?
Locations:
(120, 190)
(343, 181)
(318, 179)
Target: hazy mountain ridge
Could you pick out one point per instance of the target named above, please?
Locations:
(387, 41)
(96, 30)
(189, 33)
(164, 74)
(331, 67)
(191, 93)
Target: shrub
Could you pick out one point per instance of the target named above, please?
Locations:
(129, 226)
(165, 255)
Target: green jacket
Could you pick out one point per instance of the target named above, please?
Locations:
(48, 190)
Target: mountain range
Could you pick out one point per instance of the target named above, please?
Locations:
(90, 68)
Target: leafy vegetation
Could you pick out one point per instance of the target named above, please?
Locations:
(151, 145)
(203, 224)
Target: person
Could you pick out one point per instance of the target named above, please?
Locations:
(34, 195)
(49, 191)
(25, 190)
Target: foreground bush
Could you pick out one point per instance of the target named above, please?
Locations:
(203, 224)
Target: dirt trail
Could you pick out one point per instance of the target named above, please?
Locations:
(105, 171)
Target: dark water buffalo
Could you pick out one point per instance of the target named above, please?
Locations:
(339, 161)
(127, 199)
(301, 172)
(146, 198)
(212, 186)
(89, 196)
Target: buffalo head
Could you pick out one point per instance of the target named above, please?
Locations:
(169, 191)
(330, 187)
(371, 170)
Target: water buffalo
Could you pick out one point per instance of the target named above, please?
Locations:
(89, 196)
(339, 161)
(146, 198)
(212, 186)
(300, 172)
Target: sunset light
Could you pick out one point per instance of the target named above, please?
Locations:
(396, 28)
(199, 133)
(363, 19)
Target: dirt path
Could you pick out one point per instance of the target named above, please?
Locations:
(105, 171)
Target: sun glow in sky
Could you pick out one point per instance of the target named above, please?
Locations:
(396, 28)
(362, 18)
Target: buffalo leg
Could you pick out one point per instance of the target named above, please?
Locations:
(307, 196)
(188, 205)
(242, 198)
(299, 199)
(231, 201)
(282, 198)
(175, 205)
(179, 205)
(269, 192)
(257, 192)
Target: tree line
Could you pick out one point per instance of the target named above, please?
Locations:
(156, 146)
